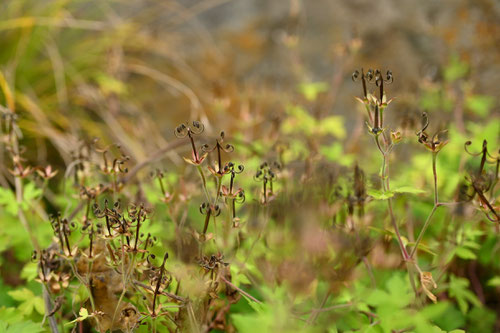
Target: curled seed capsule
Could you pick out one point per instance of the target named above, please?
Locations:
(389, 77)
(204, 208)
(241, 197)
(355, 75)
(34, 255)
(369, 75)
(197, 127)
(217, 210)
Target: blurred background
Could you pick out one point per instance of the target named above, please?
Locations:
(129, 71)
(276, 76)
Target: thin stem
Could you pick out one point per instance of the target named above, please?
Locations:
(126, 277)
(264, 184)
(233, 205)
(396, 229)
(231, 183)
(204, 181)
(161, 186)
(219, 186)
(137, 229)
(436, 205)
(193, 146)
(68, 247)
(424, 228)
(314, 314)
(434, 156)
(107, 224)
(239, 289)
(385, 186)
(48, 310)
(207, 220)
(157, 289)
(87, 284)
(370, 271)
(219, 159)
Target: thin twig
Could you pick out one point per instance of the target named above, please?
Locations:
(240, 290)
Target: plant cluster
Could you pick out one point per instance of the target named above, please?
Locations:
(291, 242)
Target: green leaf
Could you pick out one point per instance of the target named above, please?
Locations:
(333, 125)
(39, 305)
(407, 189)
(335, 152)
(21, 327)
(465, 253)
(494, 281)
(480, 104)
(10, 315)
(8, 199)
(30, 271)
(82, 315)
(28, 300)
(380, 195)
(456, 69)
(311, 90)
(299, 120)
(109, 84)
(21, 294)
(238, 276)
(459, 289)
(31, 192)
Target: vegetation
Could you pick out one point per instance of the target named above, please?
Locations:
(265, 209)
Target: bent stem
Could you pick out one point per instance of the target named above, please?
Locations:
(436, 205)
(386, 187)
(204, 181)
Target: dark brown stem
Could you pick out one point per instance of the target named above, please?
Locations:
(195, 153)
(146, 244)
(231, 182)
(158, 283)
(381, 89)
(67, 244)
(42, 267)
(483, 159)
(207, 219)
(364, 83)
(485, 201)
(219, 159)
(161, 186)
(376, 124)
(137, 229)
(234, 207)
(91, 236)
(265, 189)
(107, 224)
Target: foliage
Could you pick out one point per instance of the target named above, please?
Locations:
(283, 207)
